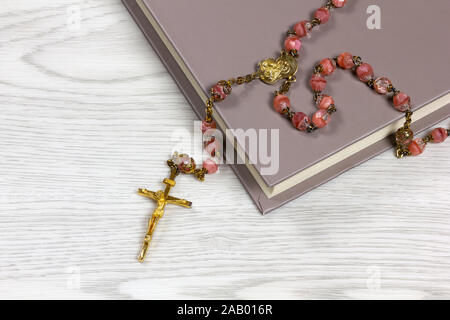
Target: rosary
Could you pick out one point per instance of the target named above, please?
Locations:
(284, 68)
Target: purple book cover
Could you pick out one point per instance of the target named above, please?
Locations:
(203, 41)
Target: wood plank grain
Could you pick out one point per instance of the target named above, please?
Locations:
(87, 115)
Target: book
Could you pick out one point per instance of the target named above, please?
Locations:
(202, 41)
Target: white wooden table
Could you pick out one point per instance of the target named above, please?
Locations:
(87, 109)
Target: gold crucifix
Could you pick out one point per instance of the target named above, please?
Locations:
(179, 163)
(162, 198)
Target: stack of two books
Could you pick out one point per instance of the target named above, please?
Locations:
(203, 41)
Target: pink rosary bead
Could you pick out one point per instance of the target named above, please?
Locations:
(339, 3)
(321, 118)
(402, 102)
(328, 66)
(302, 28)
(364, 72)
(439, 135)
(212, 147)
(218, 91)
(210, 165)
(300, 121)
(345, 60)
(323, 14)
(292, 43)
(381, 85)
(186, 164)
(325, 102)
(416, 147)
(317, 82)
(281, 103)
(208, 126)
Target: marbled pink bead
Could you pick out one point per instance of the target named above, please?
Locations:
(218, 91)
(281, 103)
(339, 3)
(293, 43)
(323, 14)
(317, 82)
(300, 121)
(364, 72)
(324, 102)
(301, 29)
(402, 102)
(439, 135)
(345, 60)
(381, 85)
(208, 125)
(210, 165)
(417, 146)
(321, 118)
(212, 147)
(186, 164)
(328, 66)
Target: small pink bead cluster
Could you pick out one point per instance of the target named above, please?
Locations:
(303, 28)
(211, 146)
(186, 164)
(293, 44)
(381, 85)
(364, 72)
(417, 146)
(324, 103)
